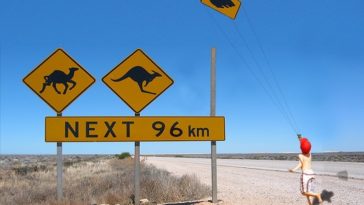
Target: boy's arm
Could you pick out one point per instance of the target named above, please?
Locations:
(299, 165)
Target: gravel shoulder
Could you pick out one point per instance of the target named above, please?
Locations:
(267, 181)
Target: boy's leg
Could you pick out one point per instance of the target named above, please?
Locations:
(308, 200)
(318, 196)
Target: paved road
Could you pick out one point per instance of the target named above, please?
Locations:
(268, 182)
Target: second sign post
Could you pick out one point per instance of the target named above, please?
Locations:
(137, 80)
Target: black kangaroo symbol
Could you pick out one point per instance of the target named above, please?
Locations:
(59, 77)
(139, 75)
(222, 3)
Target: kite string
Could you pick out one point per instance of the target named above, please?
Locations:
(267, 89)
(280, 91)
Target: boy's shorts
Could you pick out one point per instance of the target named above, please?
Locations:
(307, 181)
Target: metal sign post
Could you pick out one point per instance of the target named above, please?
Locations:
(213, 113)
(137, 170)
(59, 168)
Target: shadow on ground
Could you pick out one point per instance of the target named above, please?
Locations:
(343, 175)
(325, 195)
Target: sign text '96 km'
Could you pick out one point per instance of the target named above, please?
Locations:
(119, 129)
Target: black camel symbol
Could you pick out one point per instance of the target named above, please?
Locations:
(59, 77)
(222, 3)
(139, 75)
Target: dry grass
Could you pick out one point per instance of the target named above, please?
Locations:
(94, 181)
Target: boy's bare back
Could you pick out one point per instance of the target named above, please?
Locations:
(305, 161)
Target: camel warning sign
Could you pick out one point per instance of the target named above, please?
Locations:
(229, 8)
(59, 80)
(137, 80)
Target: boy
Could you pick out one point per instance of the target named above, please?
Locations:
(307, 175)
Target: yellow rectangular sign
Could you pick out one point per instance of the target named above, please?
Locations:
(130, 129)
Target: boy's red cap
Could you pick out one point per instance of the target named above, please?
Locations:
(305, 146)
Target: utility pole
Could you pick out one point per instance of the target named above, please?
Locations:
(213, 113)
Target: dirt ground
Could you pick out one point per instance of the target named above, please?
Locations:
(249, 183)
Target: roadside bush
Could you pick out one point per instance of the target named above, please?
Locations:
(123, 155)
(24, 170)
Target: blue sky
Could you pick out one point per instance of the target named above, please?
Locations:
(315, 49)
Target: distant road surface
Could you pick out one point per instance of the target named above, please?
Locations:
(268, 181)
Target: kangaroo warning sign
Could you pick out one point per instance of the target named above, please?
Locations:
(59, 80)
(137, 80)
(229, 8)
(130, 129)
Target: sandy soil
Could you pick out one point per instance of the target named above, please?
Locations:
(267, 182)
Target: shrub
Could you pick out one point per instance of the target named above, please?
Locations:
(123, 155)
(96, 181)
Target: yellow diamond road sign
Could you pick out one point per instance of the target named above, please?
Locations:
(59, 80)
(137, 80)
(229, 8)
